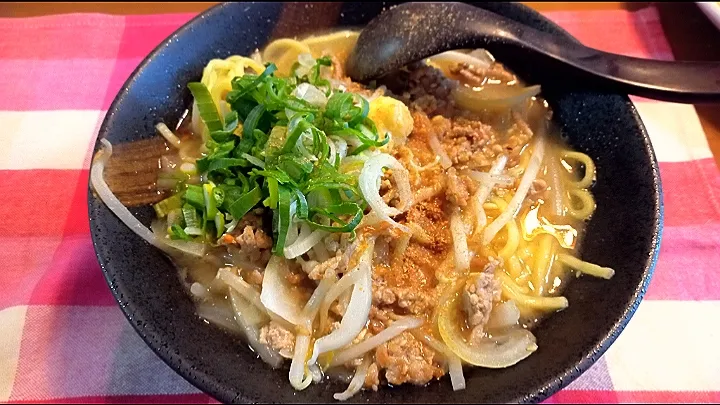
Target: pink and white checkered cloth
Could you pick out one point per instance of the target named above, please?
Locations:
(64, 339)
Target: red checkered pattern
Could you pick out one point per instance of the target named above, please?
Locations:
(63, 338)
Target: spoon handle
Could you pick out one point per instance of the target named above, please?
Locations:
(674, 81)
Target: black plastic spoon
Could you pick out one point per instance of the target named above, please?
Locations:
(413, 31)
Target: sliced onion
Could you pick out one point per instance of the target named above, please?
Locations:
(501, 96)
(499, 351)
(358, 350)
(447, 60)
(192, 248)
(340, 147)
(169, 136)
(306, 59)
(504, 315)
(238, 259)
(304, 243)
(278, 295)
(241, 286)
(356, 383)
(112, 202)
(356, 315)
(246, 316)
(529, 176)
(198, 127)
(483, 55)
(306, 62)
(436, 147)
(484, 190)
(311, 94)
(221, 316)
(369, 182)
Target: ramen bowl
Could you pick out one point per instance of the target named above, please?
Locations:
(624, 233)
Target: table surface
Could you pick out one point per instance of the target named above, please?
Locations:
(692, 37)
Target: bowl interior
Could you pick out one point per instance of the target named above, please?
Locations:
(623, 234)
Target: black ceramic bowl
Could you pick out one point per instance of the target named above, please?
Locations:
(624, 232)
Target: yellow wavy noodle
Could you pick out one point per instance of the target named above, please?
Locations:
(512, 238)
(581, 205)
(510, 290)
(585, 160)
(284, 53)
(338, 44)
(514, 267)
(544, 258)
(586, 267)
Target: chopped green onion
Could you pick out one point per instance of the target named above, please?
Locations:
(231, 121)
(175, 217)
(209, 198)
(176, 232)
(206, 106)
(281, 158)
(193, 231)
(333, 212)
(191, 217)
(302, 205)
(165, 206)
(224, 163)
(281, 219)
(219, 224)
(194, 196)
(240, 206)
(252, 120)
(273, 190)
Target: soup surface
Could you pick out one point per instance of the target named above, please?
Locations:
(386, 233)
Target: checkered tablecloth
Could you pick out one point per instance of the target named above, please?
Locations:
(63, 337)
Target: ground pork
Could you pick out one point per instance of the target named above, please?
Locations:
(412, 300)
(253, 277)
(372, 379)
(478, 76)
(252, 242)
(278, 338)
(423, 88)
(405, 359)
(316, 270)
(479, 295)
(537, 190)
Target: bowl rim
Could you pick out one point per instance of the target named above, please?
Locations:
(557, 383)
